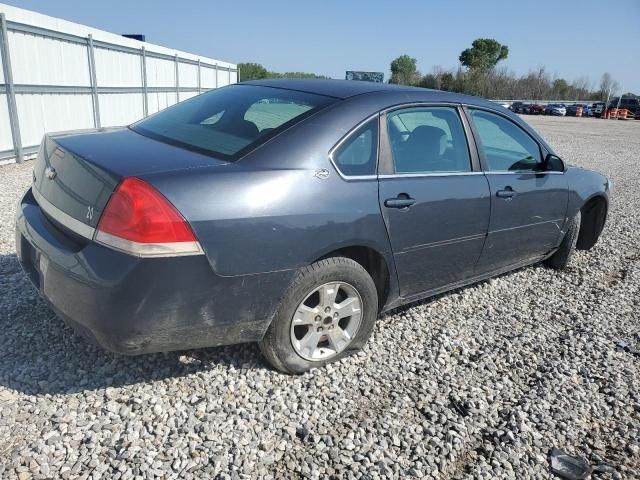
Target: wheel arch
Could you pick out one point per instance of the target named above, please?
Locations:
(374, 262)
(593, 216)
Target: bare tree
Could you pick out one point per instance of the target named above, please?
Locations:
(581, 88)
(608, 86)
(501, 83)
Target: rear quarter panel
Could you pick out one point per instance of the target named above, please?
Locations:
(258, 221)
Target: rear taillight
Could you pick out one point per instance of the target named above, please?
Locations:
(139, 220)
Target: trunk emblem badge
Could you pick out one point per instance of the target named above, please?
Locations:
(89, 213)
(50, 172)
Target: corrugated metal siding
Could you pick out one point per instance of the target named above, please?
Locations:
(5, 129)
(223, 78)
(1, 71)
(118, 109)
(40, 113)
(160, 73)
(208, 77)
(51, 60)
(117, 69)
(160, 100)
(188, 75)
(38, 60)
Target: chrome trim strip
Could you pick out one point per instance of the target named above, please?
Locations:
(526, 172)
(442, 243)
(431, 174)
(554, 221)
(168, 249)
(76, 226)
(346, 137)
(429, 103)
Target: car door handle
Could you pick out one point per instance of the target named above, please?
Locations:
(401, 201)
(508, 192)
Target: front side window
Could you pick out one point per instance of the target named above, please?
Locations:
(428, 140)
(230, 121)
(358, 155)
(506, 147)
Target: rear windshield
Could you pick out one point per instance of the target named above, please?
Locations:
(230, 121)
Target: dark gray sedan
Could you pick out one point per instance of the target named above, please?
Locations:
(292, 213)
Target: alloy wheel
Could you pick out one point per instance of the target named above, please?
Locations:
(326, 321)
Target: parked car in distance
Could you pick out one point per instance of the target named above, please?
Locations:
(631, 104)
(291, 213)
(596, 109)
(555, 109)
(515, 107)
(520, 107)
(572, 110)
(536, 109)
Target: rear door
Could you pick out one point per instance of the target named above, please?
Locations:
(528, 202)
(433, 197)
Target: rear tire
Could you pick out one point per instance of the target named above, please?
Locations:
(334, 304)
(560, 259)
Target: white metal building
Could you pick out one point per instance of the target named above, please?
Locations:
(58, 75)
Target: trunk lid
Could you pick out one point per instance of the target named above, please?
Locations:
(75, 173)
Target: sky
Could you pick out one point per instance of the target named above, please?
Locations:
(571, 38)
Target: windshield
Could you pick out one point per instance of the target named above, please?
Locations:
(230, 121)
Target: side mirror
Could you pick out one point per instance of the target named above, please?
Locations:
(553, 163)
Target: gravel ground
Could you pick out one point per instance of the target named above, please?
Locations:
(478, 383)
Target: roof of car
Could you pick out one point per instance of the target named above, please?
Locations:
(344, 89)
(341, 88)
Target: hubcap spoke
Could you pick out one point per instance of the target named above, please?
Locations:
(309, 342)
(328, 294)
(304, 315)
(348, 307)
(338, 339)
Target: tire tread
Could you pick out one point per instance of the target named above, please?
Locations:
(269, 343)
(560, 259)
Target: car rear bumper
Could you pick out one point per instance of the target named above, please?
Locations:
(134, 305)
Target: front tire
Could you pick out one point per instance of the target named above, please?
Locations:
(560, 259)
(327, 313)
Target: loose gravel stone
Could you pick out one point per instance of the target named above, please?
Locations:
(478, 383)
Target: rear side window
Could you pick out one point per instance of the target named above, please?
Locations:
(228, 122)
(358, 155)
(506, 147)
(428, 140)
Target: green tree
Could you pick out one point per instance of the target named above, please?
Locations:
(483, 55)
(438, 80)
(255, 71)
(404, 70)
(561, 88)
(298, 75)
(430, 81)
(252, 71)
(448, 82)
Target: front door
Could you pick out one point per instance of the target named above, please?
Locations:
(434, 202)
(528, 199)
